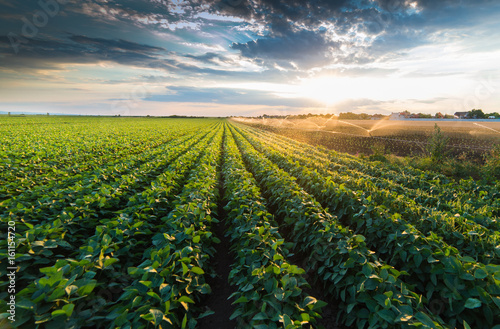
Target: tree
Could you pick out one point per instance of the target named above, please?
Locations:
(477, 114)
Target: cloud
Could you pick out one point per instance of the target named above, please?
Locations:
(210, 57)
(309, 33)
(219, 42)
(230, 96)
(50, 53)
(306, 49)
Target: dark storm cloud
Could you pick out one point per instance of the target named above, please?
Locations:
(294, 27)
(47, 52)
(295, 31)
(306, 48)
(295, 35)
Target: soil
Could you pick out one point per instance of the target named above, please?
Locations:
(218, 301)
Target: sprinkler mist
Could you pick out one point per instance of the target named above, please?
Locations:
(355, 125)
(314, 123)
(379, 124)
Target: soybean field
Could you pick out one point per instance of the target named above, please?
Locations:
(114, 222)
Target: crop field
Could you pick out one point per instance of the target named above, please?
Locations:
(210, 223)
(401, 137)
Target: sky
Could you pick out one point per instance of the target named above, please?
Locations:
(249, 57)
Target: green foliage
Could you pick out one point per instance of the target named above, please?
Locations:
(269, 288)
(349, 270)
(379, 152)
(491, 167)
(118, 243)
(476, 114)
(437, 145)
(432, 263)
(114, 229)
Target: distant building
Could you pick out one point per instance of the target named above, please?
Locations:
(462, 115)
(492, 117)
(396, 116)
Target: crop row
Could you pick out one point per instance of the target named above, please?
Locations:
(471, 289)
(126, 239)
(439, 189)
(54, 227)
(62, 155)
(65, 296)
(371, 292)
(269, 288)
(469, 237)
(101, 189)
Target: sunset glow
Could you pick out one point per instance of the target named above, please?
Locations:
(255, 56)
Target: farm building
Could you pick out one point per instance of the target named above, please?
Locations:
(461, 115)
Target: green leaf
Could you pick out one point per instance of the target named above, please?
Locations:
(196, 239)
(154, 295)
(109, 261)
(197, 270)
(146, 283)
(480, 274)
(309, 300)
(58, 313)
(147, 317)
(157, 316)
(496, 300)
(359, 238)
(68, 308)
(387, 315)
(137, 301)
(184, 322)
(286, 320)
(71, 289)
(403, 318)
(319, 305)
(277, 257)
(260, 316)
(87, 289)
(236, 314)
(186, 299)
(242, 299)
(424, 318)
(472, 303)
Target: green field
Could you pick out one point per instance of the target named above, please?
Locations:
(466, 138)
(128, 222)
